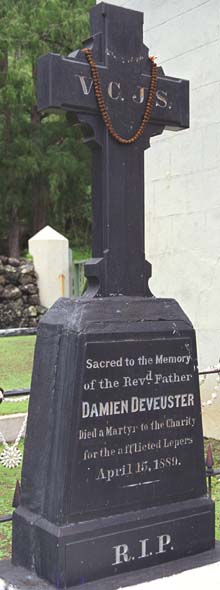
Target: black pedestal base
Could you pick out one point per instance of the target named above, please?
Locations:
(78, 553)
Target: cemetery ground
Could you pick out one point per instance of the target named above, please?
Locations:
(16, 359)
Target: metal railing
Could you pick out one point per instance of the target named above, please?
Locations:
(17, 332)
(209, 462)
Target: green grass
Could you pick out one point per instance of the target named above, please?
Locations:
(7, 408)
(8, 478)
(16, 361)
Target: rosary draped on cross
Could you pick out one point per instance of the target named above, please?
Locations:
(101, 102)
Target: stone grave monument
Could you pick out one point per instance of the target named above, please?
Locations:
(113, 476)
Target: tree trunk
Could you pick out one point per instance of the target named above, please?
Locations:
(14, 237)
(39, 199)
(39, 185)
(14, 229)
(6, 107)
(3, 69)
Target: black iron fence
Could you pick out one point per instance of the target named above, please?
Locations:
(209, 462)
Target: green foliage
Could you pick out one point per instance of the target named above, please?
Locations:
(44, 166)
(215, 481)
(80, 254)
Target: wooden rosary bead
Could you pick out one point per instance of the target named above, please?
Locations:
(101, 102)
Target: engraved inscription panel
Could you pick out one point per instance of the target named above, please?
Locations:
(135, 548)
(139, 440)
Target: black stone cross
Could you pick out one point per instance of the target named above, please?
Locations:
(113, 478)
(65, 84)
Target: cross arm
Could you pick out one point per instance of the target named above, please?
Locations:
(171, 105)
(64, 84)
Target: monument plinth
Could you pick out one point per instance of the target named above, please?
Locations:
(113, 478)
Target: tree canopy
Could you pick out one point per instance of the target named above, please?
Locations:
(44, 166)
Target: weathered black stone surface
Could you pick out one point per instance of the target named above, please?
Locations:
(127, 481)
(113, 477)
(65, 84)
(23, 579)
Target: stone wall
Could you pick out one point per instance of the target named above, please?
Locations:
(19, 297)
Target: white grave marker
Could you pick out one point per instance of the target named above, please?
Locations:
(50, 251)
